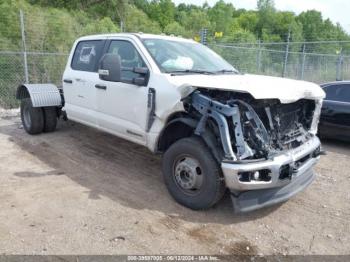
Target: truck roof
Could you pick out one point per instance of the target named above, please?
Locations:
(138, 35)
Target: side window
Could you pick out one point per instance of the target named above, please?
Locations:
(331, 92)
(343, 93)
(338, 93)
(86, 55)
(129, 58)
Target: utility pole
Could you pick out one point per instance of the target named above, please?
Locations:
(286, 55)
(24, 47)
(339, 76)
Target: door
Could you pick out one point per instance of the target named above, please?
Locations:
(335, 117)
(79, 82)
(122, 106)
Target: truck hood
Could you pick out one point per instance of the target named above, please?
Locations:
(260, 87)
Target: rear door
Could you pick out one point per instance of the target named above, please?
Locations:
(79, 81)
(335, 117)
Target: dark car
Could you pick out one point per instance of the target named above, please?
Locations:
(335, 114)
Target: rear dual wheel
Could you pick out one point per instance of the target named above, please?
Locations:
(37, 119)
(50, 119)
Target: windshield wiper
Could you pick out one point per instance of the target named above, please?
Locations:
(191, 71)
(224, 71)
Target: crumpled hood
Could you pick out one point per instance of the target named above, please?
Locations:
(260, 87)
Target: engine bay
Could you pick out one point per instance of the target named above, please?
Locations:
(254, 129)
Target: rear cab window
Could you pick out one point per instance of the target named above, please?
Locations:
(87, 54)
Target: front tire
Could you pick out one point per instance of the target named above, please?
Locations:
(32, 117)
(191, 174)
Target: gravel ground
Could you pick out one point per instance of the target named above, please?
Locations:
(80, 191)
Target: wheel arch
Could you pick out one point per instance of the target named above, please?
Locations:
(179, 125)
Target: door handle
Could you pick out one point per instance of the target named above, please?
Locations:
(103, 87)
(68, 81)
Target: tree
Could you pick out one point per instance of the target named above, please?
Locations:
(317, 29)
(52, 25)
(248, 21)
(162, 11)
(115, 9)
(266, 5)
(285, 22)
(104, 25)
(138, 21)
(240, 35)
(312, 23)
(175, 28)
(266, 11)
(195, 21)
(221, 16)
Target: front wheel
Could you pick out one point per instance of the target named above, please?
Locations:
(32, 117)
(192, 176)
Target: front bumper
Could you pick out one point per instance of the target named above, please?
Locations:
(256, 193)
(256, 199)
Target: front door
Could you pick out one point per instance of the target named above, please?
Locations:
(122, 106)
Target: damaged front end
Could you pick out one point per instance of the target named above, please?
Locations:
(267, 149)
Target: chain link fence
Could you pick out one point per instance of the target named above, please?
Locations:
(317, 62)
(32, 50)
(41, 67)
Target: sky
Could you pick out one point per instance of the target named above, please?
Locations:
(336, 10)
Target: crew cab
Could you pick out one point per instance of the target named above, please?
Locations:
(216, 128)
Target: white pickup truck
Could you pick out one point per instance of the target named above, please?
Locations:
(217, 129)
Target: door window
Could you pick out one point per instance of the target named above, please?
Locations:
(129, 58)
(338, 93)
(86, 55)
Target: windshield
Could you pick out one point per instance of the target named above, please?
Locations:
(186, 57)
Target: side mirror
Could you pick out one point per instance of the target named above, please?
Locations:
(110, 68)
(139, 81)
(141, 70)
(142, 79)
